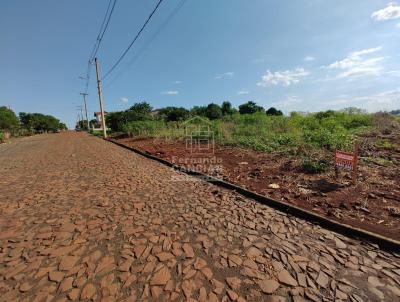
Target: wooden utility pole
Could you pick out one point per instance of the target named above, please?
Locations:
(103, 119)
(84, 101)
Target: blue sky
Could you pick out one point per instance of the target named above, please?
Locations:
(303, 55)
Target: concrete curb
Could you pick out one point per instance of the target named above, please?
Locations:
(342, 228)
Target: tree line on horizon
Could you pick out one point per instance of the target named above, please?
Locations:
(144, 111)
(27, 123)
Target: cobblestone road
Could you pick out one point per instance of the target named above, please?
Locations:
(82, 219)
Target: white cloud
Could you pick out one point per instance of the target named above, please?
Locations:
(391, 11)
(288, 103)
(242, 92)
(226, 75)
(398, 25)
(177, 82)
(286, 78)
(124, 100)
(170, 92)
(355, 65)
(387, 100)
(309, 59)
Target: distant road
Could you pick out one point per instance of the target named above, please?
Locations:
(83, 219)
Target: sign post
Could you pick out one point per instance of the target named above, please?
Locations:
(347, 161)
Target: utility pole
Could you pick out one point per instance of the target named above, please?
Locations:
(84, 101)
(79, 108)
(103, 119)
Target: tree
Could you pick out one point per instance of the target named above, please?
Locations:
(273, 111)
(40, 122)
(199, 110)
(213, 111)
(8, 119)
(250, 108)
(138, 112)
(62, 126)
(227, 108)
(116, 120)
(25, 120)
(174, 114)
(141, 108)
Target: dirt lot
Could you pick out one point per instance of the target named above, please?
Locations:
(372, 204)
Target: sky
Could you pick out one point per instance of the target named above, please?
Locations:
(304, 55)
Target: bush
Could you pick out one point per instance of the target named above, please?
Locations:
(314, 166)
(143, 128)
(1, 137)
(385, 123)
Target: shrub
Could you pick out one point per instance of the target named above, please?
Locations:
(1, 137)
(140, 128)
(314, 166)
(385, 123)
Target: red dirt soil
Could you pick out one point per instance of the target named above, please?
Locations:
(373, 204)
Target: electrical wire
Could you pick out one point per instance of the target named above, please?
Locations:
(133, 41)
(100, 35)
(100, 30)
(141, 50)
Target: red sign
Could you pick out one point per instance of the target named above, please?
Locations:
(345, 160)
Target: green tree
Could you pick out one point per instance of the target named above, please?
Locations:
(174, 114)
(116, 120)
(199, 110)
(250, 108)
(273, 111)
(213, 111)
(8, 119)
(141, 108)
(39, 122)
(227, 108)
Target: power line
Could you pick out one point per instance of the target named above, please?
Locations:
(100, 35)
(133, 41)
(101, 29)
(160, 28)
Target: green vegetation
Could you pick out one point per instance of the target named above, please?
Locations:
(26, 123)
(39, 123)
(8, 119)
(310, 136)
(250, 108)
(385, 144)
(252, 127)
(314, 166)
